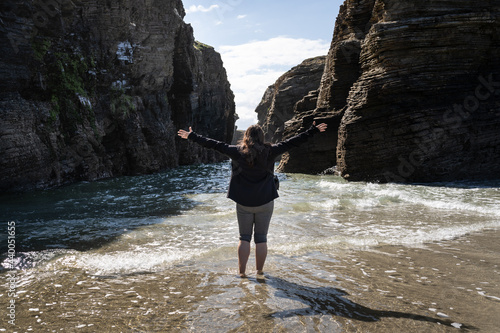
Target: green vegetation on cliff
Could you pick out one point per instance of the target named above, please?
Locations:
(68, 82)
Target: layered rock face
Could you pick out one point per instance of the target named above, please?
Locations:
(278, 102)
(413, 88)
(96, 89)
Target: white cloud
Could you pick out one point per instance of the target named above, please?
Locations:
(241, 17)
(200, 8)
(253, 66)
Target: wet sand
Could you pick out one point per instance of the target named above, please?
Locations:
(448, 286)
(455, 283)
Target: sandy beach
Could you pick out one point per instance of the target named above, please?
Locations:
(447, 287)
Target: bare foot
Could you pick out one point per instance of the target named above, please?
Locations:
(243, 275)
(260, 272)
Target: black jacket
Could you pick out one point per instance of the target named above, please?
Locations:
(253, 185)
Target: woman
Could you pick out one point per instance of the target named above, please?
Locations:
(252, 184)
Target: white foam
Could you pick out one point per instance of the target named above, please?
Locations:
(289, 238)
(335, 186)
(126, 262)
(452, 199)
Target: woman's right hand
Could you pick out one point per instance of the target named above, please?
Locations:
(184, 134)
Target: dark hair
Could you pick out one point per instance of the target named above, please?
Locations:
(252, 143)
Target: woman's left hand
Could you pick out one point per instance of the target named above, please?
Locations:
(321, 127)
(184, 134)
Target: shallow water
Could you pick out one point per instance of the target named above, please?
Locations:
(158, 253)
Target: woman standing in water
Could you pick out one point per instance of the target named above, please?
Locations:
(252, 184)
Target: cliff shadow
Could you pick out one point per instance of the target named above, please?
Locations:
(334, 301)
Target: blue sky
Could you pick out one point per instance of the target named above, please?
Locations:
(260, 40)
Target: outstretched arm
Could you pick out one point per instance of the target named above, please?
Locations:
(297, 140)
(221, 147)
(184, 134)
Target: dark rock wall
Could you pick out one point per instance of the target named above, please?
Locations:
(426, 106)
(413, 89)
(341, 70)
(96, 89)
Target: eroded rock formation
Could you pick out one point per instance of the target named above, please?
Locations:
(96, 89)
(413, 89)
(277, 105)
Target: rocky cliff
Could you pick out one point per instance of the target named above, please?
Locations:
(95, 89)
(411, 92)
(278, 102)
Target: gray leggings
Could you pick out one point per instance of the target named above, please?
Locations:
(259, 216)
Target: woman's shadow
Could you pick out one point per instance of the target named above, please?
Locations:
(326, 300)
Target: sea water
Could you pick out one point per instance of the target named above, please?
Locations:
(124, 231)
